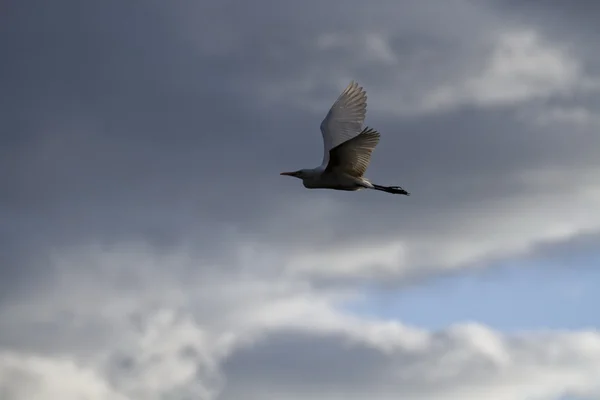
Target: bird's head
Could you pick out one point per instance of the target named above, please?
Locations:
(300, 174)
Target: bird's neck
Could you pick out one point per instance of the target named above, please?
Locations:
(312, 173)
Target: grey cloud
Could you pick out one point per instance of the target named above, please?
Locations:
(579, 13)
(168, 124)
(286, 361)
(140, 120)
(297, 365)
(574, 24)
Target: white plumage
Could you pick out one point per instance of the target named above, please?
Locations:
(347, 147)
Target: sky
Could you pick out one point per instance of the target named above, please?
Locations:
(149, 248)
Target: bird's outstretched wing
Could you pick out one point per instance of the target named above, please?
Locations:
(345, 118)
(352, 157)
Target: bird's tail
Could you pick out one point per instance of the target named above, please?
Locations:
(391, 189)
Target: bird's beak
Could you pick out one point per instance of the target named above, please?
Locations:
(288, 173)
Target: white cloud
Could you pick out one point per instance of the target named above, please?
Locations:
(168, 356)
(383, 260)
(191, 346)
(464, 361)
(500, 67)
(501, 228)
(26, 377)
(521, 67)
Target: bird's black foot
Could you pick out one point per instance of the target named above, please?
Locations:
(391, 189)
(400, 190)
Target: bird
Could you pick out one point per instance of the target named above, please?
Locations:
(347, 147)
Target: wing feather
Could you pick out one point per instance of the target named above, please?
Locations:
(345, 118)
(353, 156)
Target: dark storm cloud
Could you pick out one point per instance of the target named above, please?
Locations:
(145, 120)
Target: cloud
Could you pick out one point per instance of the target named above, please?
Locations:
(35, 377)
(506, 66)
(466, 361)
(490, 230)
(177, 165)
(149, 248)
(217, 335)
(521, 67)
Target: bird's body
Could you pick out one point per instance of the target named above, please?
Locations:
(318, 179)
(347, 147)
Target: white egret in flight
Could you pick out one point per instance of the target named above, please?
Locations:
(348, 147)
